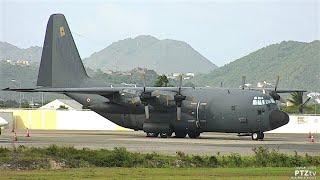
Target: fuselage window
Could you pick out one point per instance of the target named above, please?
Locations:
(259, 101)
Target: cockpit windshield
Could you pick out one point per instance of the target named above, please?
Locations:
(259, 101)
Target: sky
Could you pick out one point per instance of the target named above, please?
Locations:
(220, 30)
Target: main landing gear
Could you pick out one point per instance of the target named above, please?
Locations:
(178, 134)
(257, 136)
(193, 134)
(152, 134)
(162, 135)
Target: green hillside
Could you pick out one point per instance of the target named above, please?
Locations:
(297, 64)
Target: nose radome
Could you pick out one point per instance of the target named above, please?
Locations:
(278, 118)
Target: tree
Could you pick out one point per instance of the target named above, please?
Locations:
(162, 81)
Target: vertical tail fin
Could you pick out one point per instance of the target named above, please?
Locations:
(61, 65)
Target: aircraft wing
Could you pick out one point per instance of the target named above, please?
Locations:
(280, 90)
(93, 90)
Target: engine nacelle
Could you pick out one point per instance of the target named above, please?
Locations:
(116, 108)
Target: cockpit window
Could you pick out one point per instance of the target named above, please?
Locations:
(259, 101)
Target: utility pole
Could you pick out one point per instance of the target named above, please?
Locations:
(41, 98)
(15, 81)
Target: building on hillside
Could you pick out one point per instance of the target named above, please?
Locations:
(185, 76)
(63, 104)
(23, 62)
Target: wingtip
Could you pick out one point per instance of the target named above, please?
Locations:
(5, 89)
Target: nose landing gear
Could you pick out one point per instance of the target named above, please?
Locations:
(257, 136)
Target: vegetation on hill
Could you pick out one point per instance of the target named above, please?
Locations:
(297, 64)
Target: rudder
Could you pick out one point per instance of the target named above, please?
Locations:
(61, 65)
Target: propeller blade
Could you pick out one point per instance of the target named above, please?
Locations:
(277, 82)
(306, 102)
(179, 98)
(144, 81)
(178, 113)
(243, 82)
(180, 83)
(146, 110)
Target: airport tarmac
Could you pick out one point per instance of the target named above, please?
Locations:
(208, 143)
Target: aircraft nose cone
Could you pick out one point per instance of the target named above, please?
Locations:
(278, 118)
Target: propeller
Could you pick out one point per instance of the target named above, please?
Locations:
(274, 94)
(277, 82)
(301, 107)
(179, 98)
(309, 98)
(145, 97)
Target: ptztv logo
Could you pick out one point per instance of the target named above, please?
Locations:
(305, 173)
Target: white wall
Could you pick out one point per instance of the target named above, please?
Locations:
(84, 120)
(300, 124)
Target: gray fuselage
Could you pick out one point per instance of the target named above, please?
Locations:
(206, 110)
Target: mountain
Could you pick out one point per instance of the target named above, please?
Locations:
(297, 64)
(163, 56)
(11, 52)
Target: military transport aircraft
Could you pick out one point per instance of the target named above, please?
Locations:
(155, 110)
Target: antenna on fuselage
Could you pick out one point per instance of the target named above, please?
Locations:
(243, 82)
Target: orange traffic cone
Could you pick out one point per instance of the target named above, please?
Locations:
(312, 139)
(15, 138)
(28, 134)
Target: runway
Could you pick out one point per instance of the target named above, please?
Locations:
(208, 143)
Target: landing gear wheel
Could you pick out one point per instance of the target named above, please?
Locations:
(180, 134)
(193, 134)
(163, 135)
(261, 135)
(257, 135)
(169, 134)
(254, 136)
(152, 134)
